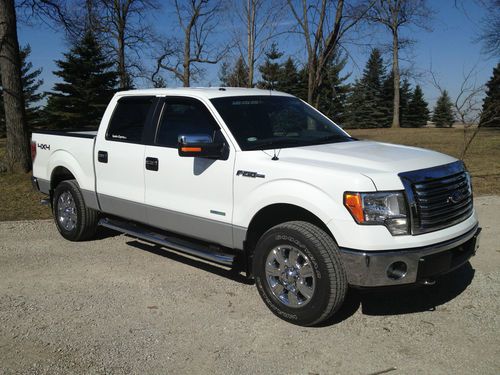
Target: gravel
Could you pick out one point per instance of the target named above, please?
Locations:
(118, 306)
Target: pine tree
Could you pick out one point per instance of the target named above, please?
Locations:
(418, 111)
(365, 103)
(405, 97)
(270, 69)
(31, 84)
(443, 112)
(235, 76)
(289, 79)
(491, 105)
(333, 91)
(89, 84)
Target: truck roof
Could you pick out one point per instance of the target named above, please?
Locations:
(205, 92)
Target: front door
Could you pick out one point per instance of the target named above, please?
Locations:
(189, 195)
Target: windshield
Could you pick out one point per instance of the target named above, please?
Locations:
(266, 122)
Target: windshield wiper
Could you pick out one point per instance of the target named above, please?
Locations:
(333, 137)
(276, 143)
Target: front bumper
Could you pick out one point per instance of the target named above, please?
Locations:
(374, 268)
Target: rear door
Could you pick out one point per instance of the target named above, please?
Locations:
(189, 195)
(119, 158)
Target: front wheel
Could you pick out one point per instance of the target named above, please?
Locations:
(74, 220)
(299, 273)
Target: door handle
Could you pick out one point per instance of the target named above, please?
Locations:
(102, 156)
(152, 164)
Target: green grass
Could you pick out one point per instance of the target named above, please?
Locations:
(18, 200)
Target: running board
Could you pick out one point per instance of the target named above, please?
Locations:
(183, 246)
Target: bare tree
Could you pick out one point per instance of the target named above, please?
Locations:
(198, 20)
(260, 18)
(123, 21)
(468, 107)
(490, 28)
(321, 37)
(17, 157)
(394, 15)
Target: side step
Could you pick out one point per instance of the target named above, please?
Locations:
(197, 250)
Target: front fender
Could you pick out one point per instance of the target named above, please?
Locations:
(288, 191)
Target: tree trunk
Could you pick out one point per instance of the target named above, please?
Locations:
(18, 153)
(186, 75)
(395, 71)
(122, 70)
(251, 40)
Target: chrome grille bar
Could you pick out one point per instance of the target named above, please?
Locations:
(439, 197)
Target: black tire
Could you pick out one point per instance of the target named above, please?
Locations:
(330, 283)
(84, 225)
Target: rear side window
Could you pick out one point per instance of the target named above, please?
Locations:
(129, 118)
(184, 116)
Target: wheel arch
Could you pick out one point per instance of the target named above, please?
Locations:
(275, 214)
(58, 175)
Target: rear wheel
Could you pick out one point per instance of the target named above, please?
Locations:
(74, 220)
(299, 273)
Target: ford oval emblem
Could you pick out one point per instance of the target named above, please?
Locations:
(455, 196)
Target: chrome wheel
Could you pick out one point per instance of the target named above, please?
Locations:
(290, 276)
(66, 211)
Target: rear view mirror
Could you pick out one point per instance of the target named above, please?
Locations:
(200, 145)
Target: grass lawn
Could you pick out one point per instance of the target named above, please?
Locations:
(18, 200)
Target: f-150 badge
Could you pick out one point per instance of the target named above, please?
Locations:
(249, 174)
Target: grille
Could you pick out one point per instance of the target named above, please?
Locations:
(439, 197)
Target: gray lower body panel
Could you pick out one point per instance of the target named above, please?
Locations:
(370, 268)
(189, 225)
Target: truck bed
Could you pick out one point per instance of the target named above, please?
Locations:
(72, 150)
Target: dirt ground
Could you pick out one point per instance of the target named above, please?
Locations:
(117, 306)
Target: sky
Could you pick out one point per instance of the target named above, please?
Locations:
(450, 50)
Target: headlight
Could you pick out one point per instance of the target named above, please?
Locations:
(380, 208)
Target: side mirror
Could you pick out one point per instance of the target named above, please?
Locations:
(201, 146)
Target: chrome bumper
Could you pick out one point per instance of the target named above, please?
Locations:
(375, 268)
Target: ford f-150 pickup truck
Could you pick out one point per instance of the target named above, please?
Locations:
(262, 182)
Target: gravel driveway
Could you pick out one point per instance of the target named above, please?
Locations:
(118, 306)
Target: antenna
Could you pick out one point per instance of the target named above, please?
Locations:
(275, 156)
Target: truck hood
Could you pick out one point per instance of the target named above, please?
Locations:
(381, 162)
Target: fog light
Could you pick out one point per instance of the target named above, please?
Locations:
(397, 270)
(397, 226)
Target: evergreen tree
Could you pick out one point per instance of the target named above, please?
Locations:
(387, 100)
(443, 112)
(31, 84)
(289, 79)
(405, 97)
(89, 84)
(491, 105)
(365, 104)
(270, 69)
(333, 92)
(236, 76)
(418, 111)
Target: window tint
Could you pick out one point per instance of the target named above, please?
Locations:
(129, 118)
(266, 122)
(184, 117)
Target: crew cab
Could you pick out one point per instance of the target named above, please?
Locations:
(260, 181)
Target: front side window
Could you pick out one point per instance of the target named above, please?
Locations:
(265, 122)
(184, 116)
(129, 118)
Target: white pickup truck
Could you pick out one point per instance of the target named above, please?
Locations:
(260, 181)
